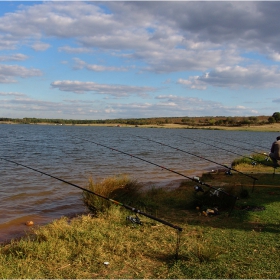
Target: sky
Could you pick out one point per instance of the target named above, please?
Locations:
(139, 59)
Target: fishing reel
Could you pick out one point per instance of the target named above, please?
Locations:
(198, 189)
(134, 220)
(216, 192)
(228, 172)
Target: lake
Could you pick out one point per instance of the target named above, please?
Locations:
(65, 152)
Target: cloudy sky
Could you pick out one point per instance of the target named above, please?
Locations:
(104, 60)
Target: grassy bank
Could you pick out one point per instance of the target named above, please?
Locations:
(244, 244)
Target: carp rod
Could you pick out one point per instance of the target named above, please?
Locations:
(162, 167)
(99, 195)
(177, 149)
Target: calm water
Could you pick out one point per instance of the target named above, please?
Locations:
(62, 152)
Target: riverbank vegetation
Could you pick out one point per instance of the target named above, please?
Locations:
(217, 121)
(239, 242)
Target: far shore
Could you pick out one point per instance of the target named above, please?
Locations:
(275, 127)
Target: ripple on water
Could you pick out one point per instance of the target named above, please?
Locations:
(60, 151)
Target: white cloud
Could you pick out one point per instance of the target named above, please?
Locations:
(14, 57)
(193, 82)
(245, 25)
(174, 60)
(101, 68)
(80, 64)
(8, 42)
(40, 46)
(254, 76)
(167, 105)
(72, 50)
(274, 56)
(7, 72)
(11, 94)
(114, 90)
(168, 36)
(33, 107)
(58, 19)
(165, 49)
(171, 105)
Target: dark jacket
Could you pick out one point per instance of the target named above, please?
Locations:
(275, 149)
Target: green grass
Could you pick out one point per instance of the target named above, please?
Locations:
(257, 159)
(244, 244)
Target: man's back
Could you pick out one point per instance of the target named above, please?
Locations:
(275, 149)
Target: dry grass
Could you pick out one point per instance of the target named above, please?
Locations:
(116, 187)
(265, 128)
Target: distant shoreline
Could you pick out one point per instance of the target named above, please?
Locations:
(261, 128)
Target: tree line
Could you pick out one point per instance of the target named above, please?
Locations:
(189, 121)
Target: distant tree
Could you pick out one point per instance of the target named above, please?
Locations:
(231, 121)
(253, 119)
(276, 116)
(245, 122)
(211, 121)
(187, 120)
(271, 120)
(219, 122)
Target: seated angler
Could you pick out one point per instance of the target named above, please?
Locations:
(275, 152)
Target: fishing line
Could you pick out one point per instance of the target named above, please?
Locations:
(246, 143)
(101, 196)
(254, 152)
(177, 149)
(253, 160)
(237, 147)
(137, 211)
(162, 167)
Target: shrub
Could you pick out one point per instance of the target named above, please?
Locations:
(119, 188)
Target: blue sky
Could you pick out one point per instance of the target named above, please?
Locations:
(139, 59)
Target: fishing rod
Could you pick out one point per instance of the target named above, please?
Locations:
(177, 149)
(99, 195)
(251, 158)
(195, 179)
(237, 147)
(254, 160)
(246, 143)
(256, 153)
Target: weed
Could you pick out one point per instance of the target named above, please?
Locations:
(117, 187)
(205, 251)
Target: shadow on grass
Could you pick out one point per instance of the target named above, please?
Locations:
(257, 208)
